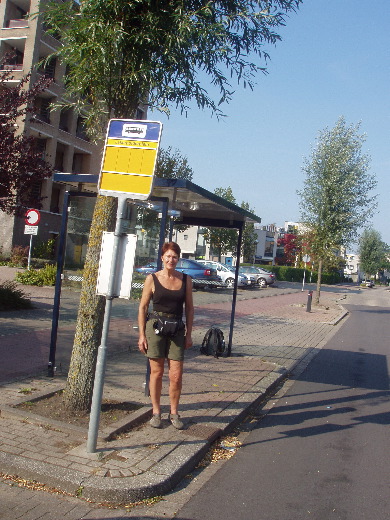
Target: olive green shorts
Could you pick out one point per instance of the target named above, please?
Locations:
(164, 346)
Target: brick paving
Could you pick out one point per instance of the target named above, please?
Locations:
(271, 335)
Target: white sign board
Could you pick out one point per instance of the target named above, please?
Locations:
(124, 271)
(31, 230)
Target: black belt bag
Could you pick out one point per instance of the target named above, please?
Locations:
(165, 325)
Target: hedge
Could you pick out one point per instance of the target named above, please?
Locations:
(287, 273)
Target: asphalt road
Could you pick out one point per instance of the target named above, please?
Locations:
(322, 451)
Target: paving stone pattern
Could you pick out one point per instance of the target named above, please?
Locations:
(271, 335)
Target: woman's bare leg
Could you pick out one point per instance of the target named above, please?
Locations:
(155, 383)
(175, 383)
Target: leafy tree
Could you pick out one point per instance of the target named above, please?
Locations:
(372, 252)
(291, 247)
(120, 54)
(222, 240)
(21, 164)
(249, 237)
(335, 200)
(171, 164)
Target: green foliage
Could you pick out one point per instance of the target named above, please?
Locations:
(13, 298)
(44, 276)
(171, 164)
(286, 273)
(222, 240)
(249, 237)
(336, 199)
(120, 53)
(373, 252)
(44, 250)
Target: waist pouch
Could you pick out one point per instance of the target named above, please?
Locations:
(165, 325)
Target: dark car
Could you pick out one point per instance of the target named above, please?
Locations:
(147, 269)
(202, 275)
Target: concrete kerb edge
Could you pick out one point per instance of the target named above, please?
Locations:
(169, 472)
(161, 479)
(341, 317)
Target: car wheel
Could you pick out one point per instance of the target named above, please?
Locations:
(230, 283)
(262, 282)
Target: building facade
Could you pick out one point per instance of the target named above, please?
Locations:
(60, 135)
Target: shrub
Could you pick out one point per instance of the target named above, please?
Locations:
(19, 256)
(11, 297)
(285, 273)
(44, 249)
(44, 276)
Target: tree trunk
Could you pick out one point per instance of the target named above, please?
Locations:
(79, 386)
(318, 290)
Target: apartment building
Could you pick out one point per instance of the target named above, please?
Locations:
(60, 133)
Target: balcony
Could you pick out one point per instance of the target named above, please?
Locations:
(18, 66)
(17, 24)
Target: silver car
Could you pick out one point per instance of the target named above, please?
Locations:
(263, 277)
(227, 274)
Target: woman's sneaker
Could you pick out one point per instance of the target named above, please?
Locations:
(175, 420)
(155, 421)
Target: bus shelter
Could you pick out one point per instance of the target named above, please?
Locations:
(187, 204)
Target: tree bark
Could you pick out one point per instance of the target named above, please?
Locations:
(318, 290)
(79, 386)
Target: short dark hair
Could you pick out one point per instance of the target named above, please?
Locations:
(170, 245)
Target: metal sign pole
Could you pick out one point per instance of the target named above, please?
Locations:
(29, 254)
(102, 352)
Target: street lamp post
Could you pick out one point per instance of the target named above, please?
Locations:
(255, 251)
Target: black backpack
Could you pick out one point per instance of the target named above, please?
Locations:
(213, 343)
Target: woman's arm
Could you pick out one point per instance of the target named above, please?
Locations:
(189, 310)
(142, 312)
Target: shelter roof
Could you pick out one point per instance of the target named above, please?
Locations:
(193, 204)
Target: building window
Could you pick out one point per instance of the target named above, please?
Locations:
(78, 163)
(42, 109)
(139, 114)
(15, 61)
(48, 68)
(65, 119)
(55, 199)
(36, 189)
(40, 148)
(80, 129)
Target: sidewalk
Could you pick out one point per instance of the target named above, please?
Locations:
(271, 335)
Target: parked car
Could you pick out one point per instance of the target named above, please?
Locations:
(147, 269)
(227, 274)
(202, 275)
(263, 277)
(369, 283)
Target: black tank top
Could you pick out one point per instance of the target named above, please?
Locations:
(167, 300)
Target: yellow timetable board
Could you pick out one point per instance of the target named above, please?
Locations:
(129, 158)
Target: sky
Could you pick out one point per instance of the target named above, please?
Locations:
(333, 61)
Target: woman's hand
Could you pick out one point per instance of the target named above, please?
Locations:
(143, 344)
(188, 341)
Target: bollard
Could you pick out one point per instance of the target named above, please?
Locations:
(309, 297)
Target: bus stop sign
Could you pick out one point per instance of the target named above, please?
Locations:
(129, 158)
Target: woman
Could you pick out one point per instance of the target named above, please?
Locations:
(169, 290)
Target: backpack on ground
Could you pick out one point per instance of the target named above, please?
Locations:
(213, 343)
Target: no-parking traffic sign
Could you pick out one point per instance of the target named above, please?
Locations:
(32, 217)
